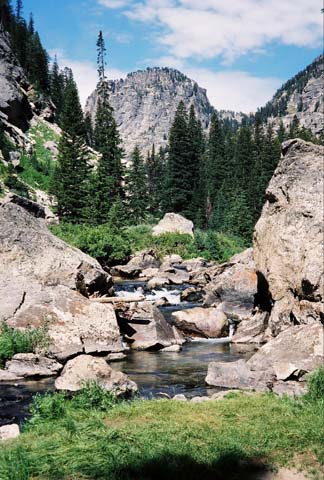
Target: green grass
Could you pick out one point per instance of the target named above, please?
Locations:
(163, 439)
(14, 341)
(36, 169)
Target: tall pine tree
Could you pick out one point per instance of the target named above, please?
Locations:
(136, 181)
(109, 173)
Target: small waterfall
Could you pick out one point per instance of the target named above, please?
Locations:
(232, 327)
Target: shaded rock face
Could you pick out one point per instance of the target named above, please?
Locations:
(145, 327)
(202, 322)
(173, 223)
(288, 239)
(233, 286)
(40, 276)
(86, 368)
(14, 103)
(145, 103)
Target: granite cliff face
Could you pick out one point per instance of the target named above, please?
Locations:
(302, 96)
(288, 239)
(145, 103)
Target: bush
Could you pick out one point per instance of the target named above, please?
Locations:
(14, 341)
(92, 396)
(100, 242)
(316, 384)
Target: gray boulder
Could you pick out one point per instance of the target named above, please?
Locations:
(292, 353)
(85, 369)
(237, 375)
(288, 239)
(174, 223)
(9, 432)
(252, 330)
(145, 327)
(32, 365)
(203, 322)
(233, 285)
(45, 282)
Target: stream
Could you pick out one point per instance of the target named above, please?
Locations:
(156, 373)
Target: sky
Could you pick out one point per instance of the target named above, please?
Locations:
(241, 51)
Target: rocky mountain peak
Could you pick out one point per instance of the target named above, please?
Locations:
(145, 103)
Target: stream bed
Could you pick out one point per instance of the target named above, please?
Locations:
(156, 373)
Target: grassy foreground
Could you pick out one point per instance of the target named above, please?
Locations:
(162, 439)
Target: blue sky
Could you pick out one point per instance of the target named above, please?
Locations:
(241, 51)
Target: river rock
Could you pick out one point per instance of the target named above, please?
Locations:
(253, 329)
(6, 376)
(191, 294)
(288, 238)
(158, 281)
(149, 273)
(173, 223)
(233, 285)
(40, 276)
(145, 327)
(86, 368)
(199, 399)
(169, 261)
(204, 322)
(296, 350)
(194, 264)
(291, 389)
(180, 397)
(237, 375)
(32, 365)
(9, 432)
(116, 357)
(171, 349)
(144, 260)
(174, 276)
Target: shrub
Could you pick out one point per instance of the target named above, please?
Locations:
(14, 341)
(92, 396)
(100, 242)
(316, 384)
(47, 407)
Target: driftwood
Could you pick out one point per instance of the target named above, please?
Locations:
(139, 298)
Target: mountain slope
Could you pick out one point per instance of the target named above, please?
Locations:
(302, 96)
(145, 103)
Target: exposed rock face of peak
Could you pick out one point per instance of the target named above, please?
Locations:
(302, 96)
(14, 105)
(288, 239)
(145, 103)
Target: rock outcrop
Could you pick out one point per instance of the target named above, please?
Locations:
(288, 239)
(32, 365)
(86, 369)
(174, 223)
(44, 281)
(145, 102)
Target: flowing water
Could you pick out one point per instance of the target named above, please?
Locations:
(156, 373)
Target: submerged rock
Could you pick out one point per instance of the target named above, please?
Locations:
(145, 327)
(85, 368)
(288, 239)
(174, 223)
(204, 322)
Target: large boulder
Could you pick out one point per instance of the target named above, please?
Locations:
(86, 369)
(174, 223)
(45, 282)
(292, 353)
(145, 327)
(141, 261)
(233, 286)
(202, 322)
(238, 375)
(252, 330)
(288, 239)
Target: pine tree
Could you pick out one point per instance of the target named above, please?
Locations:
(154, 169)
(38, 64)
(109, 173)
(281, 134)
(196, 152)
(179, 189)
(6, 14)
(136, 181)
(294, 128)
(70, 182)
(89, 130)
(57, 89)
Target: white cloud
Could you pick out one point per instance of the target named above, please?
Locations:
(113, 3)
(235, 90)
(85, 73)
(209, 28)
